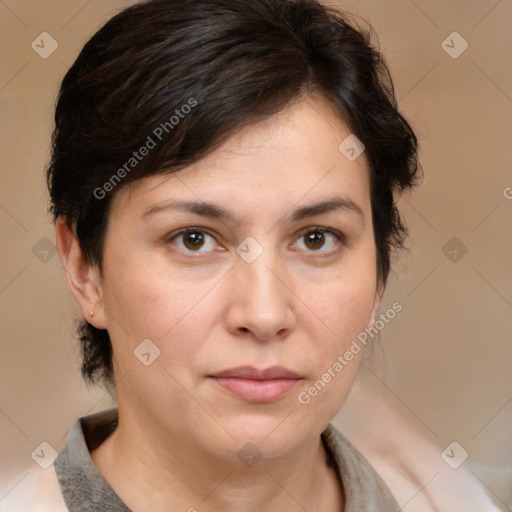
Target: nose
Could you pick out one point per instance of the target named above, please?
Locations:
(261, 300)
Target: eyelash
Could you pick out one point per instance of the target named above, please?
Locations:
(340, 237)
(314, 229)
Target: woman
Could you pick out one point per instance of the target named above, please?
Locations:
(222, 181)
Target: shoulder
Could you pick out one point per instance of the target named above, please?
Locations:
(35, 490)
(41, 490)
(409, 462)
(364, 489)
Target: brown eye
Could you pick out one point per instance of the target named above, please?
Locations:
(314, 240)
(324, 241)
(193, 240)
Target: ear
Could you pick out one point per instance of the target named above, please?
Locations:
(381, 286)
(83, 277)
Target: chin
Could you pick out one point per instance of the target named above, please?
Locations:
(273, 434)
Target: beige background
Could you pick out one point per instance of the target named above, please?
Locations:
(448, 353)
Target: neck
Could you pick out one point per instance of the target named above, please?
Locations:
(178, 475)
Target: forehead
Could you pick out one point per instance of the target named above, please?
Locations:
(289, 156)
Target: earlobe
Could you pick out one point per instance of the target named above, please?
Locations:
(83, 277)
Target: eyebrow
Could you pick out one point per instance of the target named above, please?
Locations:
(215, 211)
(333, 204)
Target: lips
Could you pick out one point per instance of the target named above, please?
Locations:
(257, 386)
(248, 372)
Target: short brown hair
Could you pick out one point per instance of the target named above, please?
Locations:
(233, 62)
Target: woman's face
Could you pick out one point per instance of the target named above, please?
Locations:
(277, 269)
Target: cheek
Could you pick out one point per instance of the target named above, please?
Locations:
(353, 310)
(346, 315)
(345, 309)
(345, 305)
(173, 309)
(137, 301)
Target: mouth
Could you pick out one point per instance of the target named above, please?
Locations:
(257, 386)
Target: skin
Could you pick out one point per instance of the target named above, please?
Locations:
(298, 305)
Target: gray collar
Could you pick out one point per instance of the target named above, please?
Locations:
(84, 489)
